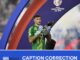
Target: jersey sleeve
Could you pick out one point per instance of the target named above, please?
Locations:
(30, 32)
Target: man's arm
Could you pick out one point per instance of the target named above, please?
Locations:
(50, 44)
(33, 38)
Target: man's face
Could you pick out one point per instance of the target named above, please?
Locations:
(37, 20)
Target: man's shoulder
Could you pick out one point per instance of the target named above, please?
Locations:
(30, 27)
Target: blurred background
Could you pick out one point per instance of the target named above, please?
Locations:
(6, 8)
(66, 32)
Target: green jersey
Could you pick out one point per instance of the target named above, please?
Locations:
(38, 43)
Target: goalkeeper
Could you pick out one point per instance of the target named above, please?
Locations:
(40, 36)
(35, 36)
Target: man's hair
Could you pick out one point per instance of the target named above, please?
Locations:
(36, 16)
(51, 23)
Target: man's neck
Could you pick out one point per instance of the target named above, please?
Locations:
(36, 25)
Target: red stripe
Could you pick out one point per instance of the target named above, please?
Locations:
(33, 8)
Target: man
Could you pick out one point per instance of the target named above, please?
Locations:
(50, 43)
(35, 34)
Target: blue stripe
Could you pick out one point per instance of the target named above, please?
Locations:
(17, 55)
(11, 23)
